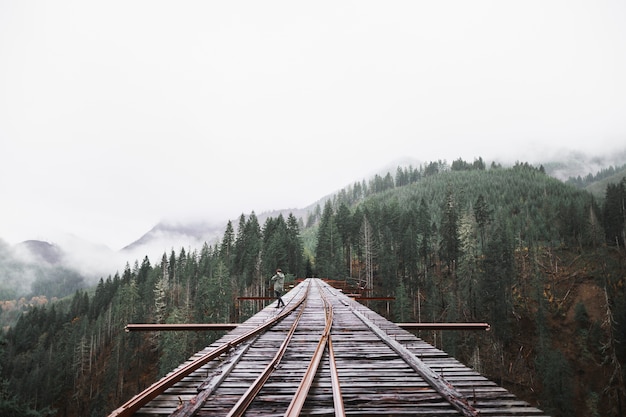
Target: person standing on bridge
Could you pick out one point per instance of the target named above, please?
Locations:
(279, 284)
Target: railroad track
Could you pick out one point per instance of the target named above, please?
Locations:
(323, 354)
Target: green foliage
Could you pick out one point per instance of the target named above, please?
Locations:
(497, 280)
(247, 251)
(468, 270)
(449, 231)
(581, 316)
(445, 241)
(401, 306)
(615, 213)
(328, 253)
(592, 404)
(600, 175)
(173, 346)
(74, 356)
(28, 278)
(588, 334)
(464, 241)
(556, 377)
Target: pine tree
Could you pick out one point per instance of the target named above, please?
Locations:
(248, 247)
(343, 220)
(468, 265)
(275, 245)
(329, 262)
(367, 243)
(424, 232)
(482, 214)
(295, 257)
(615, 214)
(402, 304)
(495, 289)
(450, 232)
(228, 242)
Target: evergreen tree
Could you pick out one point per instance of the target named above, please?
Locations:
(482, 214)
(174, 345)
(248, 251)
(495, 289)
(556, 375)
(387, 261)
(275, 245)
(328, 253)
(450, 232)
(402, 177)
(423, 232)
(343, 220)
(402, 304)
(479, 164)
(409, 250)
(369, 252)
(468, 267)
(388, 240)
(228, 242)
(615, 214)
(295, 256)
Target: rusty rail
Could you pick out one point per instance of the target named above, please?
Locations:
(244, 402)
(334, 374)
(141, 399)
(147, 327)
(447, 391)
(299, 398)
(325, 342)
(444, 326)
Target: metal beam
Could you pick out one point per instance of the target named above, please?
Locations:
(444, 326)
(255, 298)
(185, 326)
(359, 297)
(231, 326)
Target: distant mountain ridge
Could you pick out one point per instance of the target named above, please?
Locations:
(528, 261)
(177, 232)
(574, 164)
(170, 235)
(174, 235)
(44, 251)
(598, 188)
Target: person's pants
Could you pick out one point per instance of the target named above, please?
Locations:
(280, 300)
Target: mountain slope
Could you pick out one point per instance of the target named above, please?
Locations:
(598, 188)
(530, 267)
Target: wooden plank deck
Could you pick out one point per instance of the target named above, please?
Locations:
(374, 379)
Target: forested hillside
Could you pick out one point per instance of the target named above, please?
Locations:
(542, 261)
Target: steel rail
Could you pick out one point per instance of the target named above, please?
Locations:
(153, 327)
(340, 410)
(134, 404)
(207, 388)
(148, 327)
(444, 326)
(246, 399)
(299, 398)
(444, 388)
(334, 379)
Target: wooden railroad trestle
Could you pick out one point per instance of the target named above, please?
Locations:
(381, 369)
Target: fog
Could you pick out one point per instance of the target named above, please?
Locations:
(117, 115)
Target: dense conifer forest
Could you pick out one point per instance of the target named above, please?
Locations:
(542, 261)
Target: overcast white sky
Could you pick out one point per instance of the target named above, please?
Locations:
(117, 114)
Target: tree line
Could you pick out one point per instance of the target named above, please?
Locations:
(450, 244)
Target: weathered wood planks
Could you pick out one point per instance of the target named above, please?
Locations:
(376, 378)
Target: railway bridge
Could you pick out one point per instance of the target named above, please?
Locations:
(323, 354)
